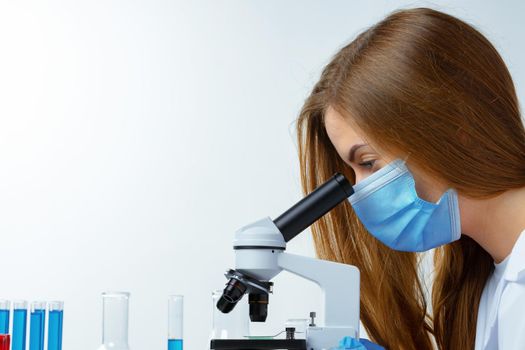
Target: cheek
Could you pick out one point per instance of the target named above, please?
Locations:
(359, 176)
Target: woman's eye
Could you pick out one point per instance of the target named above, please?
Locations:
(369, 164)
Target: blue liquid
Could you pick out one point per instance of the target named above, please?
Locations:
(19, 329)
(174, 344)
(54, 334)
(4, 321)
(36, 330)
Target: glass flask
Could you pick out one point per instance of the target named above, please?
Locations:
(115, 308)
(233, 325)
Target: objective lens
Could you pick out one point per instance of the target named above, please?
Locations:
(232, 293)
(258, 307)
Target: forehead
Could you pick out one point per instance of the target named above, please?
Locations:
(343, 134)
(339, 129)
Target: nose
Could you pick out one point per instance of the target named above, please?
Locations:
(359, 177)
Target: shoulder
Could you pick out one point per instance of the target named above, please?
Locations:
(511, 310)
(511, 316)
(513, 297)
(513, 292)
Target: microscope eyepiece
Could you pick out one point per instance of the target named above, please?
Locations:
(312, 207)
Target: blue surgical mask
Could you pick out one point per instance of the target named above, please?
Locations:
(387, 204)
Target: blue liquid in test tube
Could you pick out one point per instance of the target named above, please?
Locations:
(54, 331)
(19, 325)
(5, 308)
(175, 344)
(37, 325)
(175, 318)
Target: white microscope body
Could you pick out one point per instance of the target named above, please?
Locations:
(260, 256)
(339, 283)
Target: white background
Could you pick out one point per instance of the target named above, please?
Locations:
(137, 136)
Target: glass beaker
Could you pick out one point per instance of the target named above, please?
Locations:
(115, 308)
(233, 325)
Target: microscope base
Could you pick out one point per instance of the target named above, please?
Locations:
(258, 344)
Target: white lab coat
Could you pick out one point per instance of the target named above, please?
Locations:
(503, 317)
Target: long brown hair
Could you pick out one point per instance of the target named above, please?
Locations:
(426, 83)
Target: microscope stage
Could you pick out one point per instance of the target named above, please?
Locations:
(258, 344)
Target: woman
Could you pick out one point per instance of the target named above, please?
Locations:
(425, 94)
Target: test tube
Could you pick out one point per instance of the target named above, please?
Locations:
(37, 325)
(54, 330)
(19, 324)
(5, 308)
(5, 341)
(175, 316)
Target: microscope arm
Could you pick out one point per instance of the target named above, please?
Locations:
(339, 284)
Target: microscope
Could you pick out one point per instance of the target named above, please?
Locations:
(260, 256)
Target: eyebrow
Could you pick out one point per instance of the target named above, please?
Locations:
(353, 149)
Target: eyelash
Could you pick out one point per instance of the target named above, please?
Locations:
(368, 164)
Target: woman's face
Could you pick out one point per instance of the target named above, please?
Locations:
(366, 159)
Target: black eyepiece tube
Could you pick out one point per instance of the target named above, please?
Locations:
(313, 206)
